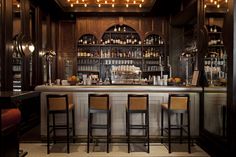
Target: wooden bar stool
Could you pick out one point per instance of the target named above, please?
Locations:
(98, 104)
(59, 104)
(138, 104)
(178, 104)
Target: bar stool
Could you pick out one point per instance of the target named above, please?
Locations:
(98, 104)
(59, 104)
(138, 104)
(177, 104)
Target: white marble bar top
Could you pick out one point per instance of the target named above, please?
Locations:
(117, 88)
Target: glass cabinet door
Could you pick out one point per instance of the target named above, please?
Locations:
(215, 68)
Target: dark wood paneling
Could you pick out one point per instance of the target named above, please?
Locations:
(6, 44)
(143, 25)
(66, 37)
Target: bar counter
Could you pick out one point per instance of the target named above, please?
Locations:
(118, 100)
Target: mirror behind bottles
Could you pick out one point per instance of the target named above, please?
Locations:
(215, 67)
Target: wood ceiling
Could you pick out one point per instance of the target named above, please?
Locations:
(106, 5)
(149, 8)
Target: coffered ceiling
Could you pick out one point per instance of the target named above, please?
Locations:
(106, 5)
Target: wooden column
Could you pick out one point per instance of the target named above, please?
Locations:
(231, 88)
(6, 26)
(37, 77)
(25, 28)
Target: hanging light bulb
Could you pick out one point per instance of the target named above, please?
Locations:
(113, 5)
(99, 5)
(18, 5)
(127, 5)
(142, 1)
(68, 0)
(134, 2)
(218, 5)
(211, 1)
(205, 6)
(140, 5)
(113, 0)
(226, 1)
(85, 5)
(215, 2)
(71, 5)
(77, 2)
(106, 2)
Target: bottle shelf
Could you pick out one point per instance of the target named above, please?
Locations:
(120, 46)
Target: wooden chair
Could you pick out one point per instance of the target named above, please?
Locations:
(59, 104)
(98, 104)
(178, 104)
(138, 104)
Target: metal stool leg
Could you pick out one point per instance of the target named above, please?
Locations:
(162, 119)
(73, 124)
(169, 132)
(181, 127)
(189, 147)
(68, 132)
(88, 133)
(128, 121)
(48, 134)
(54, 130)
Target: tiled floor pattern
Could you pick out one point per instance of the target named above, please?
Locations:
(117, 150)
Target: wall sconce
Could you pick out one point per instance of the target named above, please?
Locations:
(22, 44)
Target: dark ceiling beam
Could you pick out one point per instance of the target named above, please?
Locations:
(186, 16)
(166, 7)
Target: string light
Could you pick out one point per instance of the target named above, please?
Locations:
(112, 3)
(216, 3)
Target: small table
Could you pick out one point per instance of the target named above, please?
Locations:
(11, 99)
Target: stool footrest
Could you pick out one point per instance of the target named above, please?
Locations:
(137, 127)
(99, 126)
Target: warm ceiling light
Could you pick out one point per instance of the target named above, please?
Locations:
(218, 5)
(142, 1)
(98, 0)
(140, 5)
(211, 1)
(106, 2)
(71, 5)
(68, 0)
(82, 0)
(85, 5)
(77, 2)
(134, 2)
(18, 5)
(99, 5)
(205, 6)
(226, 1)
(113, 5)
(113, 0)
(127, 5)
(215, 2)
(127, 0)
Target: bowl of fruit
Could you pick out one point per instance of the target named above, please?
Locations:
(72, 80)
(175, 81)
